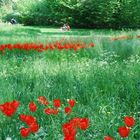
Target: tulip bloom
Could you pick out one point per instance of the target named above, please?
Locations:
(108, 138)
(43, 100)
(68, 110)
(57, 103)
(32, 107)
(71, 102)
(124, 131)
(25, 132)
(129, 121)
(51, 111)
(9, 108)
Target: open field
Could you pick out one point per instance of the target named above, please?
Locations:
(104, 80)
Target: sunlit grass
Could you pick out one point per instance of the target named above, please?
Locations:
(104, 81)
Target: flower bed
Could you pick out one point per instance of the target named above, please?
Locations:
(49, 46)
(69, 129)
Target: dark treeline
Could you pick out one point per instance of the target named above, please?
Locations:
(78, 13)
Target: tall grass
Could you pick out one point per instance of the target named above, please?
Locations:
(104, 81)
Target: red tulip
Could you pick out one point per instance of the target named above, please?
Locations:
(29, 120)
(71, 102)
(32, 106)
(15, 104)
(9, 108)
(57, 103)
(69, 129)
(92, 44)
(34, 127)
(84, 123)
(129, 121)
(75, 122)
(43, 100)
(124, 131)
(108, 138)
(25, 132)
(41, 47)
(51, 111)
(68, 110)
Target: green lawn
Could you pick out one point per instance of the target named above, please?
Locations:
(104, 80)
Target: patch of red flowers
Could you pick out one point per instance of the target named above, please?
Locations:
(32, 125)
(25, 132)
(9, 108)
(49, 46)
(124, 131)
(68, 109)
(27, 119)
(70, 128)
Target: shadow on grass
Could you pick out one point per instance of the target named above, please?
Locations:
(29, 31)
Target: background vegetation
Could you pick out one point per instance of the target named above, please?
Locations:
(104, 80)
(78, 13)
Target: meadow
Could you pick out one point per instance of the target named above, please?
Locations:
(104, 81)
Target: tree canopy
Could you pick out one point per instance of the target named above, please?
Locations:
(78, 13)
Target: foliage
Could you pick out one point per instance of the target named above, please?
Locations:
(103, 80)
(78, 13)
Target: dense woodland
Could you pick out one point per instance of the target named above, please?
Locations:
(78, 13)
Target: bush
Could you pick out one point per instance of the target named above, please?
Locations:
(82, 13)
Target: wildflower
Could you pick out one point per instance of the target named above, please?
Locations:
(34, 127)
(57, 103)
(43, 100)
(84, 123)
(15, 104)
(124, 131)
(68, 110)
(29, 120)
(92, 44)
(9, 108)
(71, 102)
(129, 121)
(75, 121)
(108, 138)
(69, 129)
(9, 46)
(32, 106)
(24, 132)
(51, 111)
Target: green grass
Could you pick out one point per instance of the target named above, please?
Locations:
(104, 80)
